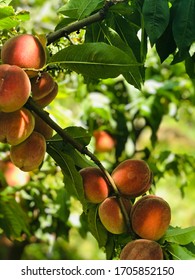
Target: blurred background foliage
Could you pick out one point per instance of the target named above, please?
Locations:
(155, 124)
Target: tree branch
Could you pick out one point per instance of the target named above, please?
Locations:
(75, 26)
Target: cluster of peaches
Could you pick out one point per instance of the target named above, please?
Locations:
(148, 215)
(23, 57)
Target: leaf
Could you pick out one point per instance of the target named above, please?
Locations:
(13, 220)
(190, 66)
(180, 252)
(80, 9)
(72, 179)
(8, 18)
(184, 23)
(61, 199)
(180, 236)
(96, 227)
(156, 18)
(94, 60)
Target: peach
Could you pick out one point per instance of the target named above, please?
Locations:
(42, 127)
(42, 85)
(150, 217)
(95, 186)
(15, 127)
(13, 175)
(142, 249)
(15, 88)
(29, 154)
(25, 51)
(104, 142)
(132, 177)
(111, 215)
(43, 102)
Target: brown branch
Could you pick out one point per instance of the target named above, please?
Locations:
(75, 26)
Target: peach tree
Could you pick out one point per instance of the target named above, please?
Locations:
(117, 67)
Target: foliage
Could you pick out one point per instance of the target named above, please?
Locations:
(124, 72)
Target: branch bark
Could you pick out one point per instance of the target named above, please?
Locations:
(75, 26)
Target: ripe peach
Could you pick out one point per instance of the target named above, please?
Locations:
(13, 175)
(150, 217)
(43, 102)
(111, 215)
(42, 85)
(132, 177)
(142, 249)
(25, 51)
(42, 127)
(104, 142)
(29, 154)
(96, 188)
(15, 127)
(15, 88)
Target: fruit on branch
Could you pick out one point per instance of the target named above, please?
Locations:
(42, 85)
(13, 175)
(15, 88)
(142, 249)
(132, 177)
(96, 188)
(16, 126)
(42, 127)
(25, 51)
(29, 154)
(150, 217)
(111, 215)
(104, 142)
(43, 102)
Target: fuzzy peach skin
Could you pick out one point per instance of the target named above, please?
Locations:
(15, 127)
(150, 217)
(29, 154)
(132, 177)
(25, 51)
(15, 88)
(42, 85)
(142, 249)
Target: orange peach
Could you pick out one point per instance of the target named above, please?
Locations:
(96, 188)
(132, 177)
(43, 102)
(42, 127)
(15, 88)
(42, 85)
(142, 249)
(29, 154)
(25, 51)
(15, 127)
(104, 142)
(150, 217)
(111, 215)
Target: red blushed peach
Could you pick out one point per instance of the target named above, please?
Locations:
(15, 127)
(43, 102)
(150, 217)
(142, 249)
(13, 175)
(111, 215)
(15, 88)
(96, 188)
(42, 85)
(132, 177)
(29, 154)
(25, 51)
(104, 142)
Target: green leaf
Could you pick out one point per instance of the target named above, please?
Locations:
(94, 60)
(156, 18)
(80, 9)
(180, 236)
(180, 252)
(190, 66)
(96, 227)
(8, 18)
(184, 23)
(13, 220)
(61, 199)
(72, 179)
